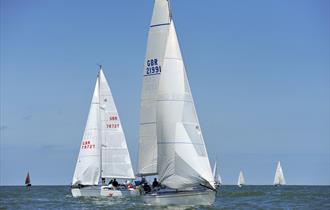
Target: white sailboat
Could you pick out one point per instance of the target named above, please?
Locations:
(103, 151)
(241, 179)
(279, 177)
(216, 175)
(171, 143)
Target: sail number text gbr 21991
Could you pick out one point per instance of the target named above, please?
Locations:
(153, 67)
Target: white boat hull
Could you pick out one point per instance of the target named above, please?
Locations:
(183, 198)
(102, 191)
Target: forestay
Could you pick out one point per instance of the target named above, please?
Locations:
(182, 157)
(153, 67)
(87, 171)
(115, 161)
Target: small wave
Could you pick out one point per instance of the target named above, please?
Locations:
(288, 194)
(243, 194)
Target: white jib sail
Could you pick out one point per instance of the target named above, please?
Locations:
(216, 174)
(87, 171)
(182, 157)
(241, 179)
(279, 176)
(157, 38)
(116, 162)
(218, 178)
(214, 169)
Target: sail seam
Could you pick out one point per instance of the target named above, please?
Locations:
(115, 148)
(190, 101)
(146, 123)
(175, 142)
(161, 24)
(87, 156)
(169, 58)
(151, 74)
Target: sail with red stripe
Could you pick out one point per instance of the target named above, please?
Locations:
(27, 179)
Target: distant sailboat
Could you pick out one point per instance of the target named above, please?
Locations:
(103, 150)
(216, 175)
(27, 180)
(279, 177)
(171, 143)
(241, 179)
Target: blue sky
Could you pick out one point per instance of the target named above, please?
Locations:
(258, 70)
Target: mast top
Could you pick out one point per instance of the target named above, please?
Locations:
(169, 9)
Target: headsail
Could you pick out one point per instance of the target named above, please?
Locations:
(115, 160)
(87, 170)
(157, 39)
(279, 176)
(216, 175)
(214, 169)
(103, 151)
(27, 179)
(241, 179)
(182, 157)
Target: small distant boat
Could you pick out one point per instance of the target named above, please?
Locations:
(216, 175)
(279, 177)
(28, 180)
(241, 179)
(103, 150)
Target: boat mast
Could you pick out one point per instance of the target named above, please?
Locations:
(169, 10)
(98, 119)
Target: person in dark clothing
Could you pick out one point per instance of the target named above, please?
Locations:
(111, 181)
(115, 183)
(143, 180)
(146, 188)
(155, 183)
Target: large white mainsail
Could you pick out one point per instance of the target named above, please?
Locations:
(157, 39)
(87, 171)
(241, 179)
(182, 157)
(116, 162)
(103, 152)
(279, 177)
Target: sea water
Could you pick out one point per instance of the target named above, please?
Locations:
(228, 197)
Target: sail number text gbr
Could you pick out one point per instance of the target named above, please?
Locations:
(153, 67)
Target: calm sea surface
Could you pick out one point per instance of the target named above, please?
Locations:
(229, 197)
